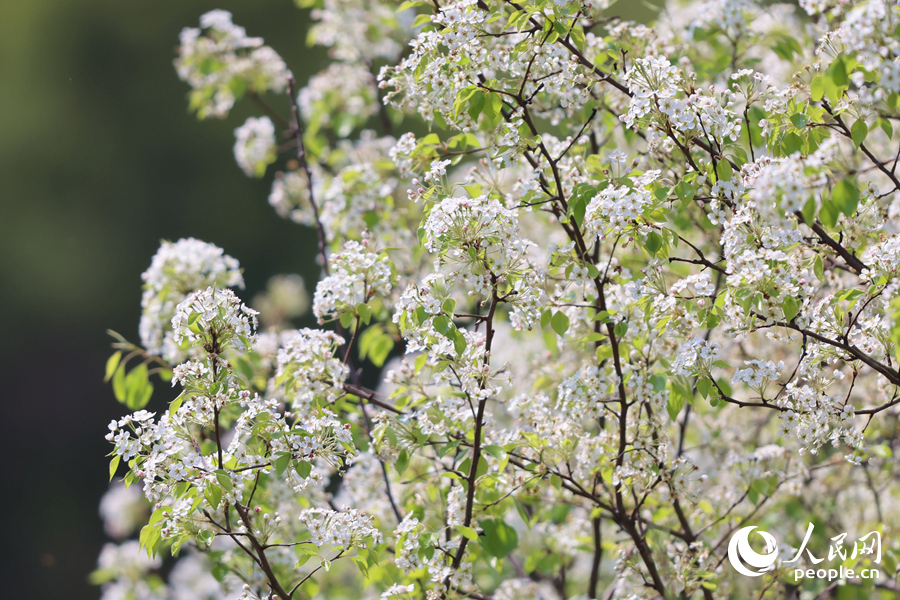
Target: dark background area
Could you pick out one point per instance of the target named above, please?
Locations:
(99, 160)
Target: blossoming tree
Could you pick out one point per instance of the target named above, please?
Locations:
(625, 289)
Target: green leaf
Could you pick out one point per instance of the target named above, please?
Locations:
(381, 349)
(838, 72)
(545, 317)
(724, 170)
(499, 539)
(500, 454)
(577, 209)
(467, 532)
(213, 495)
(817, 88)
(281, 463)
(304, 469)
(790, 306)
(653, 243)
(845, 196)
(828, 214)
(809, 211)
(559, 322)
(364, 312)
(175, 404)
(421, 20)
(449, 306)
(685, 191)
(476, 104)
(459, 342)
(703, 385)
(224, 480)
(118, 384)
(800, 120)
(112, 364)
(138, 388)
(402, 462)
(621, 328)
(858, 132)
(346, 319)
(114, 465)
(676, 403)
(443, 325)
(790, 144)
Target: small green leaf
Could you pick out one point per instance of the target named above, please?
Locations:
(137, 388)
(800, 120)
(449, 306)
(560, 323)
(838, 72)
(213, 495)
(224, 480)
(545, 317)
(846, 196)
(118, 384)
(858, 132)
(828, 214)
(112, 364)
(467, 532)
(281, 463)
(724, 170)
(443, 325)
(499, 539)
(114, 465)
(817, 88)
(790, 144)
(676, 403)
(364, 312)
(303, 469)
(790, 306)
(402, 462)
(653, 243)
(459, 342)
(703, 385)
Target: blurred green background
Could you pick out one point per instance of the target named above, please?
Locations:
(99, 160)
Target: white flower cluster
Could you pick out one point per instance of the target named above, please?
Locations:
(785, 182)
(176, 270)
(215, 318)
(696, 357)
(123, 510)
(254, 146)
(343, 95)
(869, 31)
(758, 374)
(654, 84)
(360, 30)
(219, 61)
(290, 198)
(357, 276)
(616, 208)
(650, 80)
(883, 258)
(340, 529)
(478, 234)
(307, 366)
